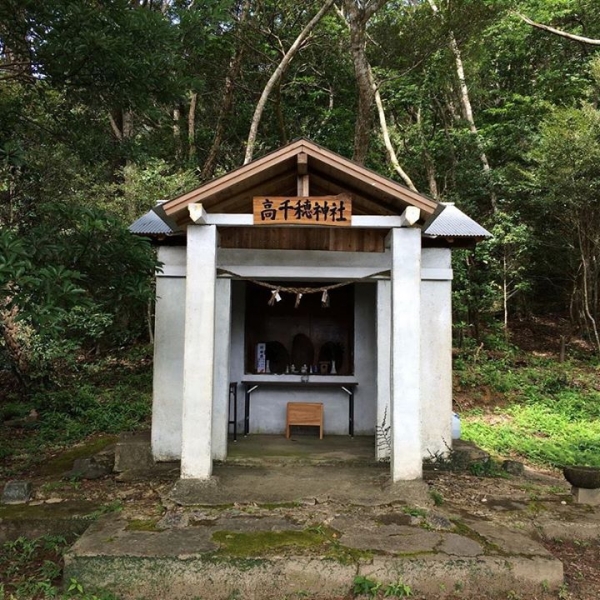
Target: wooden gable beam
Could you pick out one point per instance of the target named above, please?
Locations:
(303, 177)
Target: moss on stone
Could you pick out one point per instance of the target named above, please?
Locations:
(463, 529)
(64, 510)
(321, 541)
(64, 461)
(142, 525)
(262, 543)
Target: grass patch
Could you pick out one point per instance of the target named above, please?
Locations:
(552, 412)
(32, 569)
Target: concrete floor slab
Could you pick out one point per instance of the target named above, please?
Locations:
(256, 450)
(355, 484)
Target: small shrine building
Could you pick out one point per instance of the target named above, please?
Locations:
(303, 278)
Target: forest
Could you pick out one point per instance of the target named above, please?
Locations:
(107, 106)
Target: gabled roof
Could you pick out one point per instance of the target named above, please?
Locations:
(277, 174)
(328, 173)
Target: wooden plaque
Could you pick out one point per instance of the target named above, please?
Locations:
(315, 211)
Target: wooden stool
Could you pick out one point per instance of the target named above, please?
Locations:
(304, 413)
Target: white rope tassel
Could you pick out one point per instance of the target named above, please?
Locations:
(325, 299)
(298, 298)
(275, 297)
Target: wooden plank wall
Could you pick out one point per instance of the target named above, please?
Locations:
(304, 238)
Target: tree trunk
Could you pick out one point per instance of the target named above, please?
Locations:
(590, 320)
(191, 126)
(276, 76)
(505, 293)
(386, 137)
(427, 160)
(177, 130)
(121, 123)
(465, 101)
(127, 128)
(280, 117)
(569, 36)
(233, 73)
(366, 95)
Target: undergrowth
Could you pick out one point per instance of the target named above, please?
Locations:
(107, 396)
(545, 412)
(31, 569)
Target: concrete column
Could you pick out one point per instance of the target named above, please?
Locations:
(199, 352)
(365, 366)
(436, 359)
(220, 415)
(405, 401)
(384, 322)
(169, 330)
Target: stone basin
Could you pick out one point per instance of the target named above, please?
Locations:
(583, 477)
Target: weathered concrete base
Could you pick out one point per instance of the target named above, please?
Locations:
(444, 576)
(188, 492)
(133, 453)
(193, 577)
(189, 561)
(364, 485)
(583, 496)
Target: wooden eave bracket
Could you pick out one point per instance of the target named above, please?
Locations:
(197, 214)
(410, 216)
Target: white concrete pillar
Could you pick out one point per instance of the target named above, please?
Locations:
(220, 417)
(199, 346)
(384, 323)
(169, 331)
(405, 401)
(436, 361)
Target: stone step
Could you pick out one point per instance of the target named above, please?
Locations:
(188, 561)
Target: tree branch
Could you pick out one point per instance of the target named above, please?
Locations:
(281, 67)
(569, 36)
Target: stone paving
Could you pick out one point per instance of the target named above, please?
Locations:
(304, 532)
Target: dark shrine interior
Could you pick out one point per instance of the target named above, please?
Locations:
(311, 335)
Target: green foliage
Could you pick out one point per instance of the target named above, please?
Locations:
(397, 590)
(437, 497)
(552, 416)
(70, 288)
(141, 186)
(414, 511)
(107, 396)
(31, 567)
(365, 586)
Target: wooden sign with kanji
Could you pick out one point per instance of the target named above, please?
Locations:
(316, 211)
